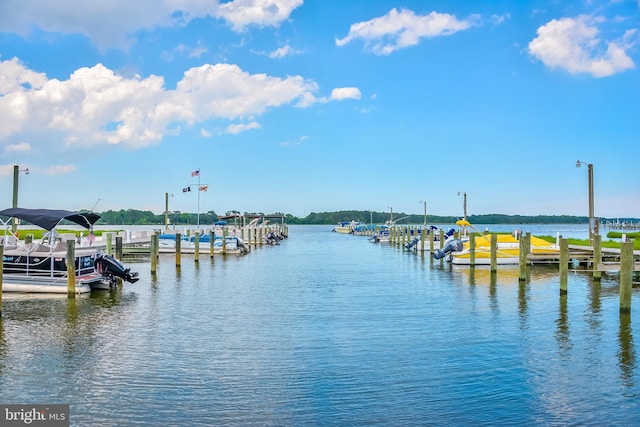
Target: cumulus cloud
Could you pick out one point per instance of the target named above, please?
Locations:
(284, 51)
(572, 44)
(238, 128)
(19, 148)
(401, 29)
(97, 106)
(113, 23)
(345, 93)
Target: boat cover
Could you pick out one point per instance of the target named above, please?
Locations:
(49, 218)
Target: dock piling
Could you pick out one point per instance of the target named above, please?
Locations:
(71, 269)
(626, 276)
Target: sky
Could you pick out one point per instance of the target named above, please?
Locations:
(301, 106)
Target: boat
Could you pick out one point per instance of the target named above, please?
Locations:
(458, 251)
(41, 267)
(348, 227)
(233, 244)
(381, 235)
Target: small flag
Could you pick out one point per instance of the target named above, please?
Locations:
(195, 173)
(186, 189)
(204, 187)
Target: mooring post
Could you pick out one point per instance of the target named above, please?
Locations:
(154, 252)
(525, 248)
(224, 241)
(178, 248)
(494, 252)
(119, 247)
(71, 269)
(261, 235)
(564, 265)
(472, 249)
(196, 249)
(212, 240)
(109, 248)
(441, 245)
(431, 239)
(626, 276)
(597, 256)
(422, 238)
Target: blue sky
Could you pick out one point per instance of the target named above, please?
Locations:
(310, 106)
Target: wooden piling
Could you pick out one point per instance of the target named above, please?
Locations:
(108, 249)
(71, 269)
(431, 244)
(441, 245)
(597, 256)
(525, 248)
(178, 248)
(224, 241)
(494, 252)
(119, 247)
(626, 276)
(212, 240)
(196, 249)
(564, 265)
(472, 249)
(154, 252)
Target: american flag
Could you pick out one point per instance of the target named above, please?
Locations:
(195, 173)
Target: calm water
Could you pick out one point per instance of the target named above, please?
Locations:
(329, 329)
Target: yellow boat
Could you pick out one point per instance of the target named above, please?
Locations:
(508, 250)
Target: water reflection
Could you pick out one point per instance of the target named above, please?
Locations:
(626, 353)
(562, 326)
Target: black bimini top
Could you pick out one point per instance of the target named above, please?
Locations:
(49, 218)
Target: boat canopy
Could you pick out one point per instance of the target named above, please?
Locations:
(49, 218)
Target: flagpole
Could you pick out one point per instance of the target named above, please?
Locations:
(198, 199)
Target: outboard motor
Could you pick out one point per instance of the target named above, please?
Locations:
(453, 245)
(410, 245)
(111, 268)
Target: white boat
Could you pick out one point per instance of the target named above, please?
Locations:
(41, 267)
(348, 227)
(232, 244)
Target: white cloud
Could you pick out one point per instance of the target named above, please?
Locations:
(97, 106)
(345, 93)
(284, 51)
(113, 23)
(397, 30)
(242, 13)
(19, 148)
(238, 128)
(573, 45)
(205, 133)
(59, 170)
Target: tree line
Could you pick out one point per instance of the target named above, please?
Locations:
(137, 217)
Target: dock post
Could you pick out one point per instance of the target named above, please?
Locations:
(212, 240)
(154, 253)
(494, 252)
(597, 256)
(178, 242)
(441, 245)
(422, 238)
(255, 237)
(525, 248)
(261, 235)
(431, 245)
(564, 265)
(71, 269)
(626, 276)
(472, 249)
(196, 250)
(109, 249)
(224, 241)
(119, 247)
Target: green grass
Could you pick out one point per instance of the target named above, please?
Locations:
(38, 232)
